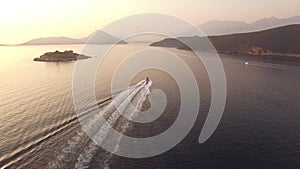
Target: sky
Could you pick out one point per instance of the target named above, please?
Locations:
(22, 20)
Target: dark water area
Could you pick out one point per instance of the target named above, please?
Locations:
(279, 60)
(40, 129)
(259, 128)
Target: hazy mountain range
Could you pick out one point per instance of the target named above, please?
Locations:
(98, 37)
(276, 41)
(218, 27)
(215, 27)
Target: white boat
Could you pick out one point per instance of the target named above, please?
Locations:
(246, 63)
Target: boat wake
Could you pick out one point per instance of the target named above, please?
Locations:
(81, 148)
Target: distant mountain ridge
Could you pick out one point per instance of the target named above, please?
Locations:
(53, 41)
(219, 27)
(210, 28)
(277, 41)
(98, 37)
(101, 37)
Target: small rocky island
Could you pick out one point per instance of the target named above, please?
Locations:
(66, 56)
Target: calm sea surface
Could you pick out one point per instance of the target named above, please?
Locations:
(39, 127)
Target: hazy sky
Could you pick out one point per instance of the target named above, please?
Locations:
(22, 20)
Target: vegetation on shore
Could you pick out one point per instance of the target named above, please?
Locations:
(66, 56)
(283, 41)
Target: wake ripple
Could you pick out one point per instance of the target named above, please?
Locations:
(81, 148)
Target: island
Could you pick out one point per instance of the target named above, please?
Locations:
(57, 56)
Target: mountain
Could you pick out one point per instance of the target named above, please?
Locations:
(101, 37)
(215, 27)
(218, 27)
(277, 41)
(268, 23)
(98, 37)
(53, 41)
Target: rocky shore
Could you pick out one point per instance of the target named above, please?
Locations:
(57, 56)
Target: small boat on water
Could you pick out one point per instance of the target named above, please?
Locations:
(246, 63)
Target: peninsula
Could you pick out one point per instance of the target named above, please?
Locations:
(281, 41)
(57, 56)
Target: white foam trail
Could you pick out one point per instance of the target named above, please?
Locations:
(85, 158)
(142, 95)
(76, 144)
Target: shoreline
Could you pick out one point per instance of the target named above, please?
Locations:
(291, 55)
